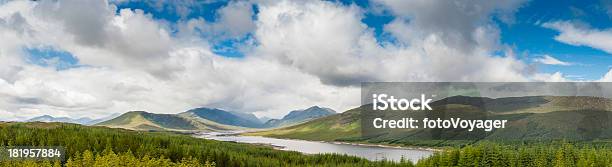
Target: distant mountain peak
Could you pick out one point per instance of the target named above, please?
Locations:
(315, 111)
(313, 107)
(136, 112)
(300, 116)
(44, 116)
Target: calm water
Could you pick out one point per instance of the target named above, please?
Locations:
(311, 147)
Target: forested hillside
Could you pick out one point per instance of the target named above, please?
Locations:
(557, 154)
(100, 145)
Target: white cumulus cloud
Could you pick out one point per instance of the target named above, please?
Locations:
(572, 34)
(549, 60)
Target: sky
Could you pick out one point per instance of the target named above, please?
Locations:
(95, 58)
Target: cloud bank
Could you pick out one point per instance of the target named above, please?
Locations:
(296, 54)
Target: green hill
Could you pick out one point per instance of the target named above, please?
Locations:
(140, 120)
(529, 118)
(328, 128)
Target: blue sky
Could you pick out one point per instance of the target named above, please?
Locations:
(529, 37)
(48, 56)
(525, 33)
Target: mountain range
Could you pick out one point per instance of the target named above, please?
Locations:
(82, 120)
(208, 119)
(141, 120)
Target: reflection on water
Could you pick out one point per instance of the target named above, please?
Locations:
(310, 147)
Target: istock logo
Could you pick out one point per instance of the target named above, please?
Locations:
(384, 102)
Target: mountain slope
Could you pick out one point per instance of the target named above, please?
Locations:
(300, 116)
(225, 117)
(140, 120)
(529, 118)
(330, 128)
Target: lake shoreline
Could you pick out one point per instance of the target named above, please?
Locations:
(357, 143)
(346, 143)
(384, 146)
(240, 133)
(373, 152)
